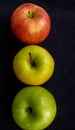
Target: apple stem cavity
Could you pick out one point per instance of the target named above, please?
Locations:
(31, 60)
(29, 110)
(30, 14)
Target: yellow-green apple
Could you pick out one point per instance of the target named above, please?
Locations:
(33, 65)
(30, 23)
(34, 108)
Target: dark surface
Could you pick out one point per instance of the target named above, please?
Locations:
(60, 43)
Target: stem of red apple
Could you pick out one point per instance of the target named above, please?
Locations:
(30, 14)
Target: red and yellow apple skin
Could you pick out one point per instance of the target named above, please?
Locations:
(33, 65)
(30, 23)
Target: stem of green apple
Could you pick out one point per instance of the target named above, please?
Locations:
(31, 60)
(29, 110)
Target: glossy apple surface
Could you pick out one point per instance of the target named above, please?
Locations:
(34, 108)
(33, 65)
(30, 23)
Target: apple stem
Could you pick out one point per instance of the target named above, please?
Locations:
(29, 110)
(31, 60)
(30, 14)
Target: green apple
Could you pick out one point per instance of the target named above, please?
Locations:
(34, 108)
(33, 65)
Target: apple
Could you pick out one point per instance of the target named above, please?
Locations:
(34, 108)
(33, 65)
(30, 23)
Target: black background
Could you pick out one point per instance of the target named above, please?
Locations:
(60, 43)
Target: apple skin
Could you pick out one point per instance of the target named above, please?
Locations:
(37, 73)
(30, 23)
(34, 107)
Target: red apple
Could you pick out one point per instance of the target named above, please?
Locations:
(30, 23)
